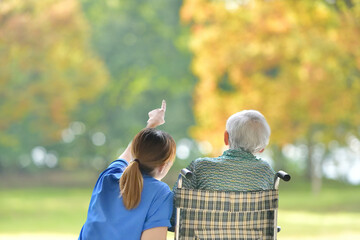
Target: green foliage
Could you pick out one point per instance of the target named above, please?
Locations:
(47, 69)
(55, 70)
(142, 46)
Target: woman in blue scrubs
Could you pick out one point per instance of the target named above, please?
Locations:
(129, 202)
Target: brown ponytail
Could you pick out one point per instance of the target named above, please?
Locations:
(131, 184)
(151, 148)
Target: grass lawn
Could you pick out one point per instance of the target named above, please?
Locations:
(43, 210)
(58, 213)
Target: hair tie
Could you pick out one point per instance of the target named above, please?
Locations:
(136, 160)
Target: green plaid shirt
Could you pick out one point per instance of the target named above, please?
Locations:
(235, 170)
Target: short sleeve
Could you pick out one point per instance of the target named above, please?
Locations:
(119, 164)
(160, 212)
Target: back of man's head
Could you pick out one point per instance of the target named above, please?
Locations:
(248, 130)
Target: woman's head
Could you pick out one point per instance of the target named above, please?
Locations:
(153, 148)
(154, 151)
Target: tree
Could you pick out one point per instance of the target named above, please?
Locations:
(47, 69)
(295, 61)
(143, 46)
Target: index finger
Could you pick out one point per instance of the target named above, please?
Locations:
(163, 105)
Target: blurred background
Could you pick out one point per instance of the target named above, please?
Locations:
(78, 77)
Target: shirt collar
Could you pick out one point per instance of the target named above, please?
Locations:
(238, 153)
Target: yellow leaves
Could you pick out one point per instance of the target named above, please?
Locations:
(277, 21)
(277, 25)
(292, 60)
(322, 12)
(63, 11)
(189, 11)
(46, 64)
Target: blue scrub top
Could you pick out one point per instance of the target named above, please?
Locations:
(108, 218)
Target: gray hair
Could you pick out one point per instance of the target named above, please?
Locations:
(248, 130)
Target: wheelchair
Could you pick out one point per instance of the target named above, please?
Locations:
(226, 215)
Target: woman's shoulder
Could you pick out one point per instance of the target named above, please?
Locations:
(117, 166)
(118, 163)
(155, 189)
(155, 185)
(114, 170)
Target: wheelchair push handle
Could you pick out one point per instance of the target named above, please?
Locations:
(186, 173)
(283, 175)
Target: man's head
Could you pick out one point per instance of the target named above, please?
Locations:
(248, 130)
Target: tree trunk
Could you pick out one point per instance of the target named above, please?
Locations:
(314, 173)
(278, 158)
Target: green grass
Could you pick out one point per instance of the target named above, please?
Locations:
(334, 197)
(43, 210)
(333, 214)
(310, 224)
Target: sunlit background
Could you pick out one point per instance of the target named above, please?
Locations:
(78, 77)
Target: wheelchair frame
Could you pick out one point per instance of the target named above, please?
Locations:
(185, 173)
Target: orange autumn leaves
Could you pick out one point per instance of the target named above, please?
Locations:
(47, 66)
(295, 61)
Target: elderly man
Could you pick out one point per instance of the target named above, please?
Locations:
(247, 133)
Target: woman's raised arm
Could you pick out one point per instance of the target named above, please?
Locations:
(156, 118)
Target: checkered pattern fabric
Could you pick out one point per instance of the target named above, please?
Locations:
(226, 215)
